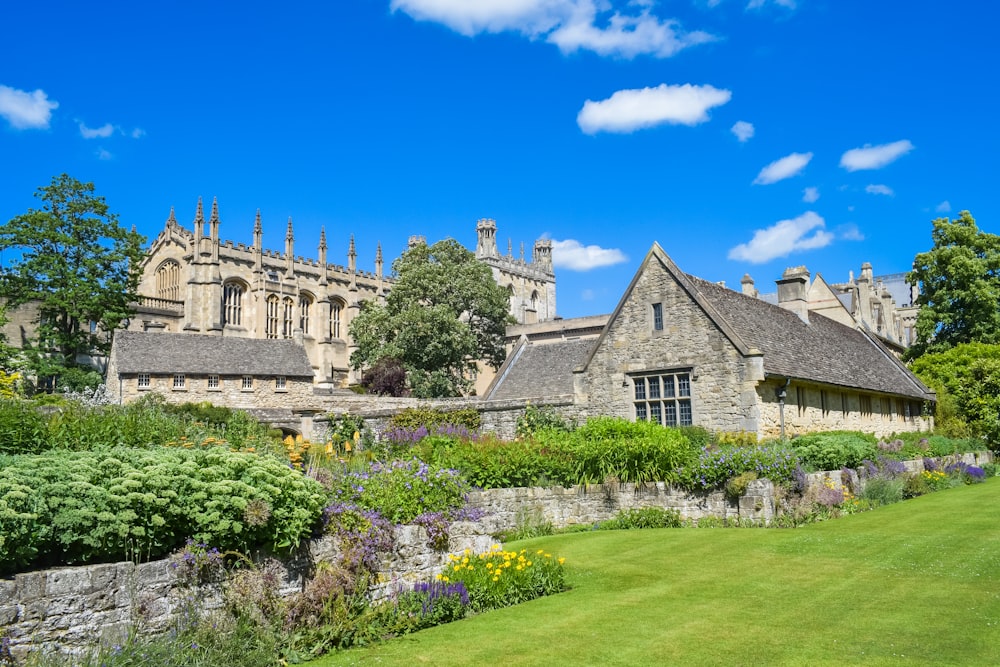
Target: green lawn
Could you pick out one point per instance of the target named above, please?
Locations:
(916, 583)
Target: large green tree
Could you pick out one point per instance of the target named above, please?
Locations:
(73, 259)
(959, 282)
(444, 313)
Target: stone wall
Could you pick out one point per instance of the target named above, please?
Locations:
(71, 608)
(829, 408)
(507, 509)
(230, 392)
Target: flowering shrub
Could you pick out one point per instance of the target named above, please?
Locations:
(364, 535)
(969, 474)
(607, 448)
(714, 468)
(198, 562)
(402, 490)
(498, 578)
(433, 603)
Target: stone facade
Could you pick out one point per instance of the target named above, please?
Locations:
(193, 282)
(679, 350)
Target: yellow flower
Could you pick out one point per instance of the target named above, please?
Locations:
(329, 448)
(540, 551)
(562, 560)
(347, 446)
(444, 579)
(437, 576)
(496, 578)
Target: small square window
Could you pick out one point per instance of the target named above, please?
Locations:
(213, 381)
(142, 381)
(179, 381)
(279, 383)
(247, 382)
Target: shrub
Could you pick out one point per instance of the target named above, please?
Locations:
(737, 486)
(402, 490)
(612, 449)
(119, 503)
(713, 468)
(536, 419)
(23, 429)
(835, 449)
(645, 517)
(386, 378)
(882, 491)
(489, 463)
(413, 418)
(497, 578)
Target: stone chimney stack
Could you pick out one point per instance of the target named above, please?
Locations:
(748, 286)
(793, 291)
(486, 230)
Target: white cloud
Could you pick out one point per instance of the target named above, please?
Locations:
(93, 133)
(103, 154)
(849, 232)
(569, 24)
(874, 157)
(879, 189)
(810, 194)
(742, 129)
(783, 168)
(633, 109)
(574, 256)
(137, 133)
(943, 207)
(24, 110)
(783, 238)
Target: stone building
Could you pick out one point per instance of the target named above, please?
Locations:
(884, 305)
(249, 374)
(531, 284)
(680, 350)
(194, 282)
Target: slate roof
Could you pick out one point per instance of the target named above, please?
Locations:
(538, 370)
(197, 354)
(822, 351)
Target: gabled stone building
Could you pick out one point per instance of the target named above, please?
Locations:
(680, 350)
(234, 372)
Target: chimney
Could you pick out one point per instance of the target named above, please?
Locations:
(748, 286)
(793, 291)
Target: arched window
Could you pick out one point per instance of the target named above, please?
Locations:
(305, 306)
(168, 281)
(232, 303)
(534, 300)
(271, 324)
(336, 313)
(288, 317)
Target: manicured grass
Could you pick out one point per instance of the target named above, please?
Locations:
(916, 583)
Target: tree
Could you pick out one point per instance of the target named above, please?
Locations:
(80, 266)
(443, 314)
(959, 282)
(967, 381)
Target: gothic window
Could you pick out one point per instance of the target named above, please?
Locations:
(305, 306)
(271, 324)
(657, 317)
(232, 303)
(534, 300)
(168, 281)
(288, 316)
(336, 312)
(663, 398)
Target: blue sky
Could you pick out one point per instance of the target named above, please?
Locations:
(742, 135)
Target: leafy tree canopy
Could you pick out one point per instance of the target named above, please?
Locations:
(444, 313)
(79, 265)
(967, 381)
(959, 282)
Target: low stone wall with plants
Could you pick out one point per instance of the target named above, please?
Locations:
(515, 509)
(69, 609)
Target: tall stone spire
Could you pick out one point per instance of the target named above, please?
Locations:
(322, 256)
(213, 229)
(171, 219)
(352, 264)
(199, 223)
(289, 250)
(258, 242)
(378, 260)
